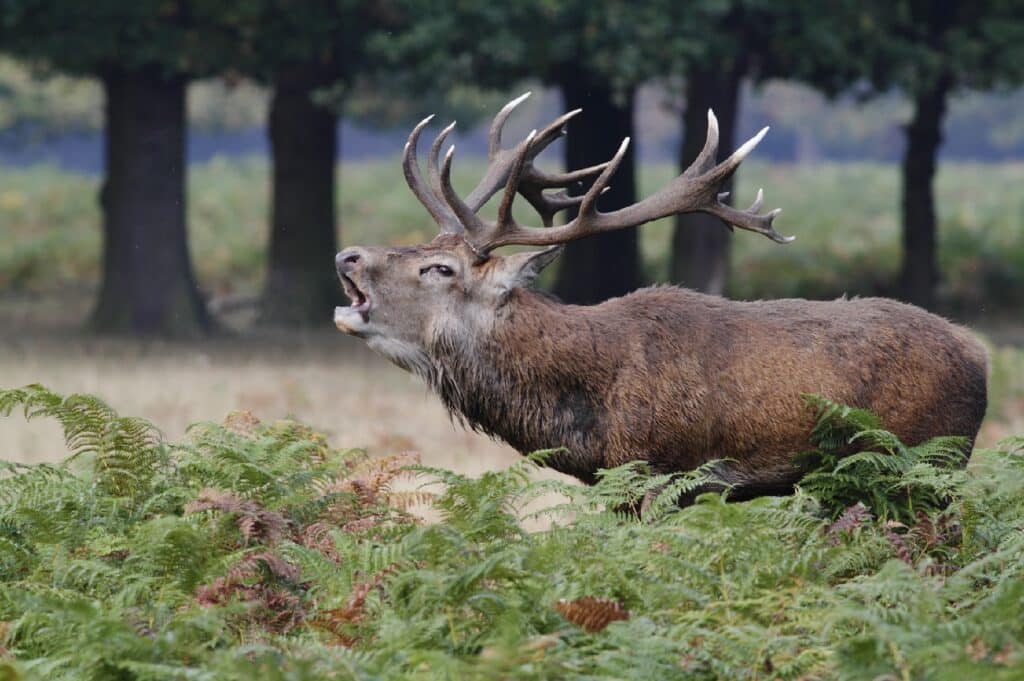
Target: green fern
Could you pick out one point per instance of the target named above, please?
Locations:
(259, 551)
(124, 452)
(856, 461)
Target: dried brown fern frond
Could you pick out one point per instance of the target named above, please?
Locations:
(338, 620)
(317, 536)
(370, 477)
(403, 500)
(852, 518)
(314, 444)
(275, 565)
(929, 533)
(242, 423)
(898, 541)
(255, 522)
(274, 608)
(362, 524)
(592, 613)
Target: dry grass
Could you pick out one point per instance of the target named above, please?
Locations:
(325, 379)
(328, 381)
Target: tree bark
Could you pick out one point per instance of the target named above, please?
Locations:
(301, 286)
(700, 244)
(605, 266)
(148, 285)
(920, 271)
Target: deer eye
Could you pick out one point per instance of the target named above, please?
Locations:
(443, 270)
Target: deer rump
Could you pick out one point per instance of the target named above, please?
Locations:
(678, 378)
(665, 375)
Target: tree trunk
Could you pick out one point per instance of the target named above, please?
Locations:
(920, 271)
(148, 286)
(700, 244)
(301, 286)
(605, 266)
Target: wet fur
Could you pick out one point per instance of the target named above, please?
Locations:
(678, 378)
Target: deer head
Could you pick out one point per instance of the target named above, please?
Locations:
(405, 299)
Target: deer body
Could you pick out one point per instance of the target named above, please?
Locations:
(678, 378)
(665, 375)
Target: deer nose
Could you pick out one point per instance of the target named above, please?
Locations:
(346, 260)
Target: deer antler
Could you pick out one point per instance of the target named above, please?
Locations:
(442, 214)
(532, 181)
(696, 189)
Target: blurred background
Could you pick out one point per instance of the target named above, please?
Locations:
(176, 176)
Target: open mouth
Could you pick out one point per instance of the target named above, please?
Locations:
(360, 301)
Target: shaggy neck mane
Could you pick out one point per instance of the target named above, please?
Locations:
(527, 381)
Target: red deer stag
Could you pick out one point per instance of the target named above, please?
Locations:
(664, 374)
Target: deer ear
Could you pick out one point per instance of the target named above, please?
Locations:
(520, 269)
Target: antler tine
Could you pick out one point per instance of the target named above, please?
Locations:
(758, 201)
(562, 180)
(534, 181)
(744, 219)
(750, 220)
(496, 173)
(726, 168)
(494, 134)
(442, 214)
(708, 155)
(588, 206)
(473, 224)
(433, 172)
(512, 184)
(552, 131)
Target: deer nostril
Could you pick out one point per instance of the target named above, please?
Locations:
(347, 258)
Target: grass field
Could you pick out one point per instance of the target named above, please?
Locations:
(845, 218)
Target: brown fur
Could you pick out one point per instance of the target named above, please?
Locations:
(678, 378)
(664, 374)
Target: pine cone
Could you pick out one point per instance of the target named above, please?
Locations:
(591, 613)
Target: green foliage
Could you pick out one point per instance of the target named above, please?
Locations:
(190, 38)
(498, 44)
(857, 461)
(914, 45)
(176, 37)
(264, 38)
(53, 221)
(258, 551)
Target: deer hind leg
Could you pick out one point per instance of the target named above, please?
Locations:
(739, 487)
(685, 499)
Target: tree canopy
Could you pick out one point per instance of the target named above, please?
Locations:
(929, 51)
(176, 37)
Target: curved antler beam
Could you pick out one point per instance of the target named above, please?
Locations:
(697, 189)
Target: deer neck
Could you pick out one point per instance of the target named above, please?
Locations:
(533, 379)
